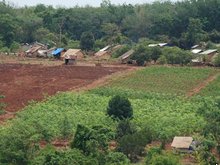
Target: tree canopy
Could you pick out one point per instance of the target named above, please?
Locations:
(186, 22)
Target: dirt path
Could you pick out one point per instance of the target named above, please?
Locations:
(202, 85)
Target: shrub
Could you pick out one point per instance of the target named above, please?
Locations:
(142, 54)
(133, 145)
(91, 140)
(50, 156)
(65, 128)
(175, 55)
(125, 127)
(119, 108)
(162, 60)
(165, 159)
(217, 61)
(116, 158)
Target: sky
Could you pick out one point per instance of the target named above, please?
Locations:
(72, 3)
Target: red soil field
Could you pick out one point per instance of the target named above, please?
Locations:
(21, 83)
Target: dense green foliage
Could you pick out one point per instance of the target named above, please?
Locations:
(120, 108)
(172, 55)
(182, 23)
(87, 41)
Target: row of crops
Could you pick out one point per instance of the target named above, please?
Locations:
(169, 80)
(170, 117)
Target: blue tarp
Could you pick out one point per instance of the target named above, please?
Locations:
(57, 51)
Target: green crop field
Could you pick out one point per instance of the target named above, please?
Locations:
(170, 117)
(160, 79)
(213, 89)
(156, 95)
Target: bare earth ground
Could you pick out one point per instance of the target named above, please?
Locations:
(21, 83)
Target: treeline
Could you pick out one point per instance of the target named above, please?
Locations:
(181, 23)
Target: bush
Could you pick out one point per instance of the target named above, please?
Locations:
(91, 140)
(165, 159)
(125, 127)
(133, 145)
(162, 60)
(50, 156)
(217, 61)
(116, 158)
(142, 54)
(175, 55)
(119, 108)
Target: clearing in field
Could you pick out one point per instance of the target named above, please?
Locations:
(23, 83)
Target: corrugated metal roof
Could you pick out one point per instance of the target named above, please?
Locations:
(195, 51)
(127, 54)
(182, 142)
(195, 46)
(57, 51)
(209, 51)
(101, 53)
(105, 48)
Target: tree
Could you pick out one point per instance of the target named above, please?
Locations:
(112, 33)
(194, 33)
(87, 41)
(119, 108)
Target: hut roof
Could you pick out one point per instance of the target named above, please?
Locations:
(100, 53)
(209, 51)
(33, 49)
(105, 48)
(196, 51)
(127, 54)
(182, 142)
(71, 53)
